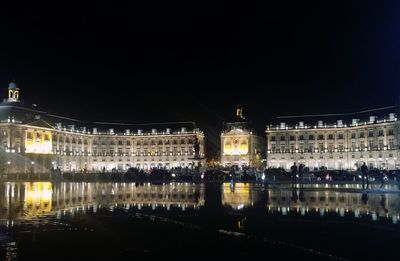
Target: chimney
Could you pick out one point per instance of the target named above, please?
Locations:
(372, 119)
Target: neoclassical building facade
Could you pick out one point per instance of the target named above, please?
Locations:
(240, 146)
(337, 144)
(33, 140)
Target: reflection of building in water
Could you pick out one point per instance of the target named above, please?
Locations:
(24, 200)
(326, 201)
(237, 196)
(38, 196)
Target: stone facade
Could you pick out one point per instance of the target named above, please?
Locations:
(34, 141)
(335, 146)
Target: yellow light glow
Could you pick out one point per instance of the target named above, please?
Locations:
(38, 197)
(243, 149)
(38, 142)
(240, 195)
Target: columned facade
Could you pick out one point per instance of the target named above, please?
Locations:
(335, 146)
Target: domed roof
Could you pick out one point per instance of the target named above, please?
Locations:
(12, 85)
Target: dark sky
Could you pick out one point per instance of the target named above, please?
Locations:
(115, 62)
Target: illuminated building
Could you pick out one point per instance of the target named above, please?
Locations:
(36, 141)
(240, 146)
(338, 144)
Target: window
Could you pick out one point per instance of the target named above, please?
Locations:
(128, 142)
(160, 142)
(282, 138)
(381, 144)
(182, 141)
(330, 136)
(320, 137)
(272, 138)
(301, 137)
(362, 135)
(390, 132)
(391, 144)
(353, 135)
(340, 136)
(120, 142)
(291, 137)
(371, 144)
(370, 134)
(310, 137)
(380, 133)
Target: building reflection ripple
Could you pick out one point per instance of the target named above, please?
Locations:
(33, 200)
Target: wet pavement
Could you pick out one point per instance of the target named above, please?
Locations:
(115, 220)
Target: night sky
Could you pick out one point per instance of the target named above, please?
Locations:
(114, 62)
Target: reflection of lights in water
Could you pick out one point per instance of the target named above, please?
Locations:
(38, 197)
(284, 211)
(374, 216)
(341, 213)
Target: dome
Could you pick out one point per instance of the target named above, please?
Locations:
(12, 85)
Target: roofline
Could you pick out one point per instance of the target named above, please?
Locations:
(335, 114)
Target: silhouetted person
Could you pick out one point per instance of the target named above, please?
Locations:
(293, 171)
(301, 172)
(364, 172)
